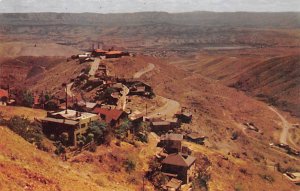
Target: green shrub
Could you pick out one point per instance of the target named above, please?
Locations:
(129, 165)
(31, 132)
(98, 130)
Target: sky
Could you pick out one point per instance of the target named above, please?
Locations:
(125, 6)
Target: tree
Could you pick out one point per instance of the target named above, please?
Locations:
(99, 130)
(27, 98)
(123, 129)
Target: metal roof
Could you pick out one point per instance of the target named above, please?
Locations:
(179, 160)
(61, 121)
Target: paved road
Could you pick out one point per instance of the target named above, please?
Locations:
(94, 67)
(143, 71)
(168, 110)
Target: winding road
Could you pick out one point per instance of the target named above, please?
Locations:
(143, 71)
(168, 110)
(286, 126)
(94, 67)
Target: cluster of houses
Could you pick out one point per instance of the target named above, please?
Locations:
(100, 53)
(176, 160)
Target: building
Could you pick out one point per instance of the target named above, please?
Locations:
(185, 117)
(179, 166)
(160, 126)
(139, 88)
(294, 177)
(113, 117)
(99, 52)
(196, 138)
(115, 54)
(173, 185)
(73, 123)
(4, 96)
(171, 142)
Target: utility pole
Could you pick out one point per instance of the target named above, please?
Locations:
(146, 110)
(66, 89)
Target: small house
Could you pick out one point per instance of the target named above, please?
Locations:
(173, 185)
(171, 142)
(160, 126)
(179, 166)
(70, 122)
(185, 117)
(196, 138)
(113, 117)
(4, 95)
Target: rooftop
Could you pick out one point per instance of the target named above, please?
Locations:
(178, 159)
(114, 52)
(159, 123)
(62, 121)
(110, 114)
(172, 136)
(174, 183)
(100, 51)
(74, 115)
(3, 93)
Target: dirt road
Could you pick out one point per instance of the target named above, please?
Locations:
(149, 68)
(122, 101)
(168, 110)
(94, 67)
(69, 91)
(286, 126)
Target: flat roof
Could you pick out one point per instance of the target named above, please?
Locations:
(160, 123)
(172, 136)
(61, 121)
(72, 114)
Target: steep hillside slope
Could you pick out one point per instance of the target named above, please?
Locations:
(270, 74)
(15, 71)
(23, 167)
(277, 81)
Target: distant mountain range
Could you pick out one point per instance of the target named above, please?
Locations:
(236, 19)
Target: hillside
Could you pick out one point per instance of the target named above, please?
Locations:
(227, 69)
(276, 80)
(15, 71)
(271, 75)
(23, 167)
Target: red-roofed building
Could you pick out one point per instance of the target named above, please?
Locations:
(116, 54)
(3, 95)
(113, 117)
(99, 52)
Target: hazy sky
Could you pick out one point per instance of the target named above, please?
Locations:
(117, 6)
